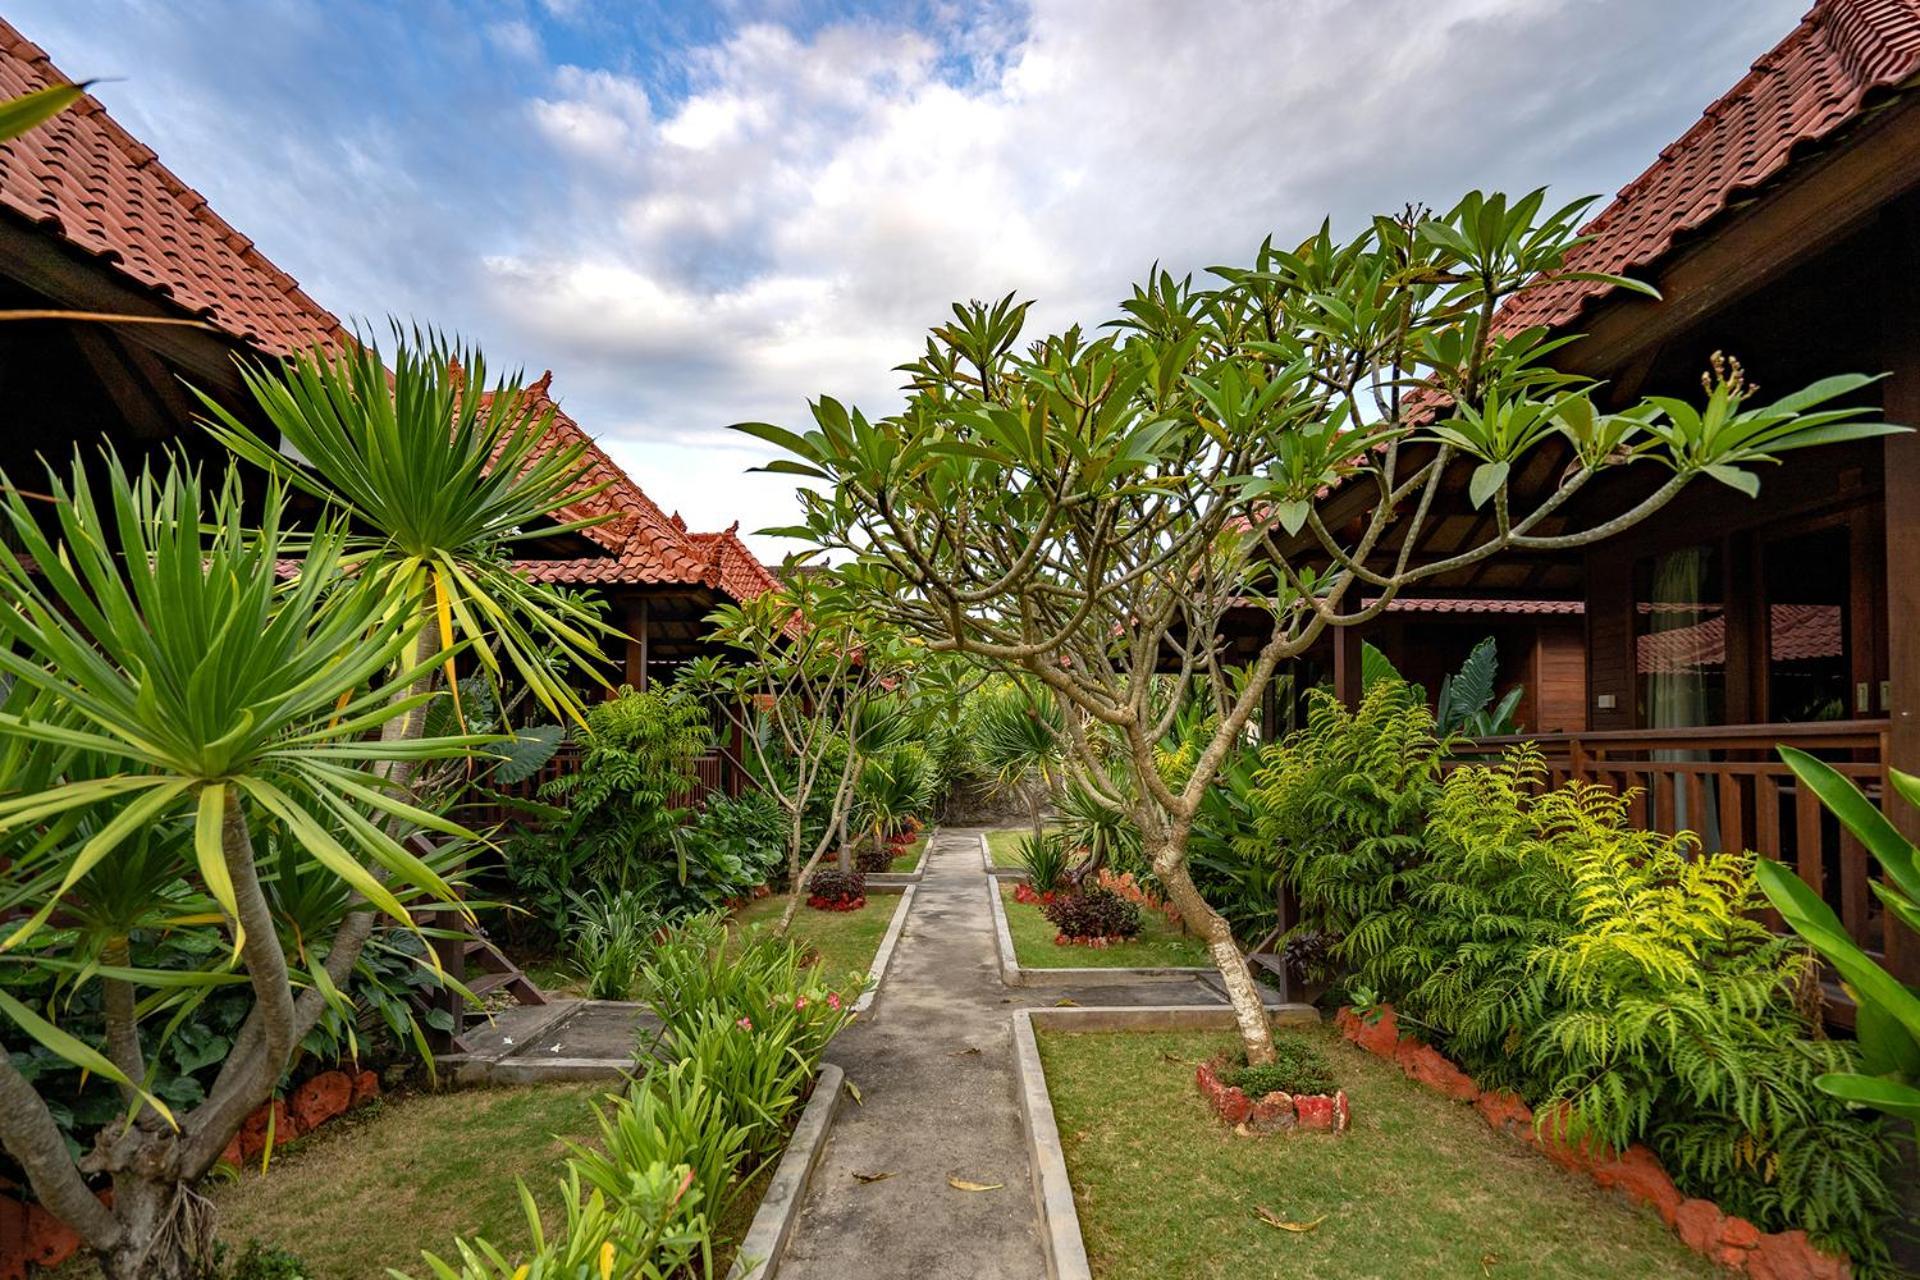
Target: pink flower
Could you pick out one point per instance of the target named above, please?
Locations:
(833, 1002)
(801, 1003)
(745, 1024)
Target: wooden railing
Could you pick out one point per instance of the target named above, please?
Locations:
(1729, 787)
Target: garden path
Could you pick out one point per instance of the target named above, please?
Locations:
(935, 1069)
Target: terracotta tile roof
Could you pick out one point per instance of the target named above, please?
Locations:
(647, 546)
(1797, 633)
(741, 574)
(1799, 93)
(103, 192)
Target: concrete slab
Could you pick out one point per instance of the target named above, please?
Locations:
(758, 1257)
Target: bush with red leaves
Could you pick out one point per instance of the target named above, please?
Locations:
(831, 889)
(1093, 913)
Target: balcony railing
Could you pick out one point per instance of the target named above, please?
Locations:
(1729, 787)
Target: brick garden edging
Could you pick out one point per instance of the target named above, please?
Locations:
(1274, 1113)
(30, 1236)
(1636, 1173)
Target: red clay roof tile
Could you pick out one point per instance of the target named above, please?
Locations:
(102, 191)
(1819, 78)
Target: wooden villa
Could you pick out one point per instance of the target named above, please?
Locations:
(1783, 229)
(91, 220)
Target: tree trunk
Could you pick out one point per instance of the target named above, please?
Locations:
(793, 893)
(168, 1231)
(846, 847)
(1170, 865)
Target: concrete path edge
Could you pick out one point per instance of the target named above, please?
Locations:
(877, 971)
(896, 879)
(986, 863)
(1052, 1188)
(758, 1257)
(1015, 975)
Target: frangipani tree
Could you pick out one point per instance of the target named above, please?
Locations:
(808, 684)
(1087, 510)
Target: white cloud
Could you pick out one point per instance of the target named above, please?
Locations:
(516, 38)
(791, 225)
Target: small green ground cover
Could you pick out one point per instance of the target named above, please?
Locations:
(842, 941)
(1158, 946)
(1003, 844)
(1419, 1186)
(375, 1187)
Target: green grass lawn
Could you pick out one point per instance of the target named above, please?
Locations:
(376, 1186)
(1003, 844)
(1420, 1186)
(910, 856)
(843, 941)
(1159, 944)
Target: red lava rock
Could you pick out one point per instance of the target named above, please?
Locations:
(1427, 1065)
(1637, 1174)
(49, 1241)
(13, 1237)
(366, 1087)
(232, 1153)
(1576, 1155)
(1315, 1111)
(1504, 1111)
(321, 1099)
(253, 1132)
(1789, 1255)
(1271, 1113)
(1378, 1038)
(1230, 1104)
(1698, 1223)
(1738, 1233)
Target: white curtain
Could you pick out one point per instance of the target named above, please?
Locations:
(1677, 694)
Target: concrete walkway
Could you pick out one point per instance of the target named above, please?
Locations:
(934, 1066)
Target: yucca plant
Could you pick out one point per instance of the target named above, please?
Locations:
(1045, 859)
(171, 696)
(1887, 1011)
(445, 479)
(1020, 740)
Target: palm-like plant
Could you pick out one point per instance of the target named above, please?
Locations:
(1887, 1017)
(1019, 737)
(444, 480)
(164, 679)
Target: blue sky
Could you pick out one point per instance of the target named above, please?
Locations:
(697, 214)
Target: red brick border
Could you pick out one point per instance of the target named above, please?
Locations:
(1636, 1174)
(1321, 1112)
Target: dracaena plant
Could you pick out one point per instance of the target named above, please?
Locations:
(173, 702)
(1887, 1011)
(442, 480)
(1088, 511)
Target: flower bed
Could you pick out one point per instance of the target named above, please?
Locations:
(1635, 1173)
(1275, 1112)
(830, 889)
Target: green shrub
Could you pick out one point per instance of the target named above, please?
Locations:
(1044, 858)
(740, 840)
(256, 1261)
(1298, 1067)
(1548, 946)
(1342, 803)
(608, 937)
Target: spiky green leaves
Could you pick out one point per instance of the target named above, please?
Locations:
(172, 656)
(446, 479)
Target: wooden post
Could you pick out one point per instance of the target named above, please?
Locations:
(1902, 561)
(1346, 666)
(636, 665)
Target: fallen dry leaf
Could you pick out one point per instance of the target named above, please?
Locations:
(961, 1053)
(1275, 1221)
(853, 1091)
(961, 1184)
(872, 1177)
(1066, 1002)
